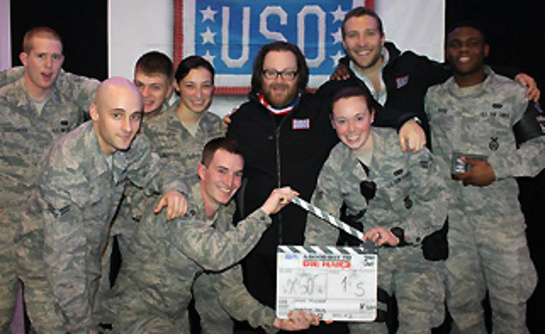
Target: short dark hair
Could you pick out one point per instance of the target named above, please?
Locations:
(470, 24)
(42, 31)
(348, 92)
(155, 62)
(302, 67)
(220, 143)
(191, 62)
(362, 11)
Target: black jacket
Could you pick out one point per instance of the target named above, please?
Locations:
(286, 151)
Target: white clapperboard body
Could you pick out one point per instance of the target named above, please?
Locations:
(338, 283)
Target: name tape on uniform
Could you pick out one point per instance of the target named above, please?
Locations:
(337, 283)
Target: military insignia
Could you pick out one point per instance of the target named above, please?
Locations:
(301, 124)
(408, 202)
(402, 81)
(442, 110)
(398, 172)
(426, 163)
(497, 105)
(57, 213)
(494, 145)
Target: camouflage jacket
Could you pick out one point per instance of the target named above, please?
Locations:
(164, 257)
(179, 150)
(480, 121)
(77, 193)
(410, 192)
(25, 134)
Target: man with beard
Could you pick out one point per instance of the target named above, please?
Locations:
(285, 135)
(485, 134)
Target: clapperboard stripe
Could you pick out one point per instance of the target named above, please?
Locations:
(330, 219)
(326, 250)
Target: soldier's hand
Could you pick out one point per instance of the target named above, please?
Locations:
(412, 136)
(480, 174)
(341, 73)
(279, 198)
(381, 236)
(227, 119)
(175, 203)
(297, 320)
(532, 92)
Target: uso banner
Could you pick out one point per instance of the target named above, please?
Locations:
(229, 34)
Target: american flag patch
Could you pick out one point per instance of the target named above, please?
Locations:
(301, 124)
(400, 82)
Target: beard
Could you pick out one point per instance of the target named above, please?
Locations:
(280, 95)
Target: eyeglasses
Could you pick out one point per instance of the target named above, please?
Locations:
(286, 75)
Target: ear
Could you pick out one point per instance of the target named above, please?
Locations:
(331, 120)
(177, 86)
(201, 170)
(23, 58)
(170, 90)
(486, 50)
(93, 112)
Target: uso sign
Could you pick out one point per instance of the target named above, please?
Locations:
(229, 33)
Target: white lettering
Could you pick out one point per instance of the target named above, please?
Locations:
(270, 11)
(235, 63)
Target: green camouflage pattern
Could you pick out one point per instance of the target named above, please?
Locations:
(487, 228)
(410, 194)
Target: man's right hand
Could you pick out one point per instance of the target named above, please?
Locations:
(298, 320)
(227, 119)
(279, 198)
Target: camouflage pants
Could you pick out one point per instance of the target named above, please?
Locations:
(419, 287)
(214, 319)
(8, 278)
(45, 315)
(489, 255)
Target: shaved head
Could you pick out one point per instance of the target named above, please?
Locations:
(116, 114)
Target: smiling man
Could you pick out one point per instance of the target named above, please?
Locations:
(485, 133)
(153, 76)
(153, 290)
(65, 225)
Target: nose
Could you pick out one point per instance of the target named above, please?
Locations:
(229, 179)
(48, 61)
(126, 125)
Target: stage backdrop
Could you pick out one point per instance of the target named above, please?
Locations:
(229, 33)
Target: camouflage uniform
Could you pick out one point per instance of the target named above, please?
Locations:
(487, 229)
(178, 150)
(410, 194)
(24, 135)
(66, 225)
(181, 151)
(153, 289)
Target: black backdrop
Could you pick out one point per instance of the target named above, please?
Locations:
(515, 29)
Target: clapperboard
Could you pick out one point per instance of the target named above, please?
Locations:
(337, 283)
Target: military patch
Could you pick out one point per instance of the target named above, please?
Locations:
(398, 172)
(497, 105)
(494, 145)
(402, 81)
(301, 124)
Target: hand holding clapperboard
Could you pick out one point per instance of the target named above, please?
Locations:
(336, 283)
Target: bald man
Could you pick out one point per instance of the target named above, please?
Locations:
(64, 232)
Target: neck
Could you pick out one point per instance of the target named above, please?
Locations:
(36, 93)
(187, 116)
(373, 71)
(469, 79)
(210, 208)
